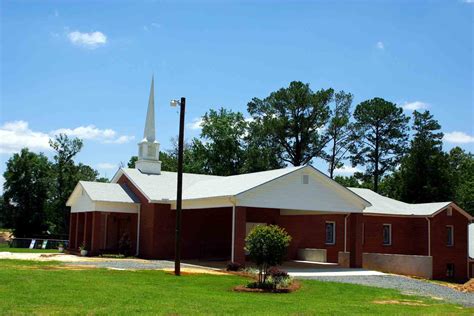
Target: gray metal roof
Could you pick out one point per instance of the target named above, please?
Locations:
(108, 192)
(385, 205)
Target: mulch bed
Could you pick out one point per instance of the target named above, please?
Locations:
(295, 285)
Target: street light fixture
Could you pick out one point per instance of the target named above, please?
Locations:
(179, 191)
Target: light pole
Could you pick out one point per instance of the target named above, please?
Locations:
(179, 191)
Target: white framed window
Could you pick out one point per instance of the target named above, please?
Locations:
(449, 235)
(330, 233)
(305, 179)
(387, 234)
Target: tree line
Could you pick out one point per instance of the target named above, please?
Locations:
(36, 189)
(401, 156)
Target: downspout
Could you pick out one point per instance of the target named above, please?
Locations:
(429, 235)
(138, 231)
(232, 201)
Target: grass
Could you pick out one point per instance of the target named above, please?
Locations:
(29, 287)
(6, 247)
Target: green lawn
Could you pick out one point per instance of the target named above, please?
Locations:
(5, 247)
(44, 288)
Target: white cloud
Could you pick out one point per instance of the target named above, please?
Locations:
(107, 165)
(120, 140)
(458, 138)
(380, 45)
(90, 40)
(87, 132)
(196, 124)
(16, 135)
(2, 182)
(468, 1)
(346, 170)
(416, 105)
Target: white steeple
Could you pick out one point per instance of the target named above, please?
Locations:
(149, 149)
(149, 133)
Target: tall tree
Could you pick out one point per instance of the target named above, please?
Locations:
(462, 170)
(27, 184)
(222, 146)
(293, 117)
(424, 171)
(66, 174)
(381, 133)
(260, 152)
(339, 132)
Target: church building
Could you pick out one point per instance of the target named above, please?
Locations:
(327, 222)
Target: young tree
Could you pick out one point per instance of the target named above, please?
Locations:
(67, 175)
(27, 183)
(292, 118)
(380, 132)
(267, 245)
(339, 132)
(424, 171)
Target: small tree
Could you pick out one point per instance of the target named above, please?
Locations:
(267, 246)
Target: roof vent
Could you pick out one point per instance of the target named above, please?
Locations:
(305, 179)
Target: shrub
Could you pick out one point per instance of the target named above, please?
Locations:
(234, 266)
(267, 246)
(125, 245)
(279, 277)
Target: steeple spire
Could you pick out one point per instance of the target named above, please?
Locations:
(149, 133)
(148, 148)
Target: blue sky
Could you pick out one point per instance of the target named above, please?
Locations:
(84, 67)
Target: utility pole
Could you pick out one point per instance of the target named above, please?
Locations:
(179, 191)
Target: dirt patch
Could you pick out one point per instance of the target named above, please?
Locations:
(56, 267)
(5, 237)
(191, 271)
(295, 286)
(400, 302)
(466, 287)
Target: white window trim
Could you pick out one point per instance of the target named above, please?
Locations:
(452, 236)
(389, 235)
(333, 233)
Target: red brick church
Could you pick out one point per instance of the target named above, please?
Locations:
(327, 222)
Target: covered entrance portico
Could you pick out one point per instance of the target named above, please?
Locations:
(98, 229)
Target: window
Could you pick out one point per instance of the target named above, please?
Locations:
(330, 233)
(450, 235)
(387, 234)
(305, 179)
(450, 270)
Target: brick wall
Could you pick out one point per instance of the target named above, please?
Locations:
(409, 235)
(443, 254)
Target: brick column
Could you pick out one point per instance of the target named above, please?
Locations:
(355, 246)
(72, 231)
(96, 239)
(79, 229)
(239, 231)
(88, 229)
